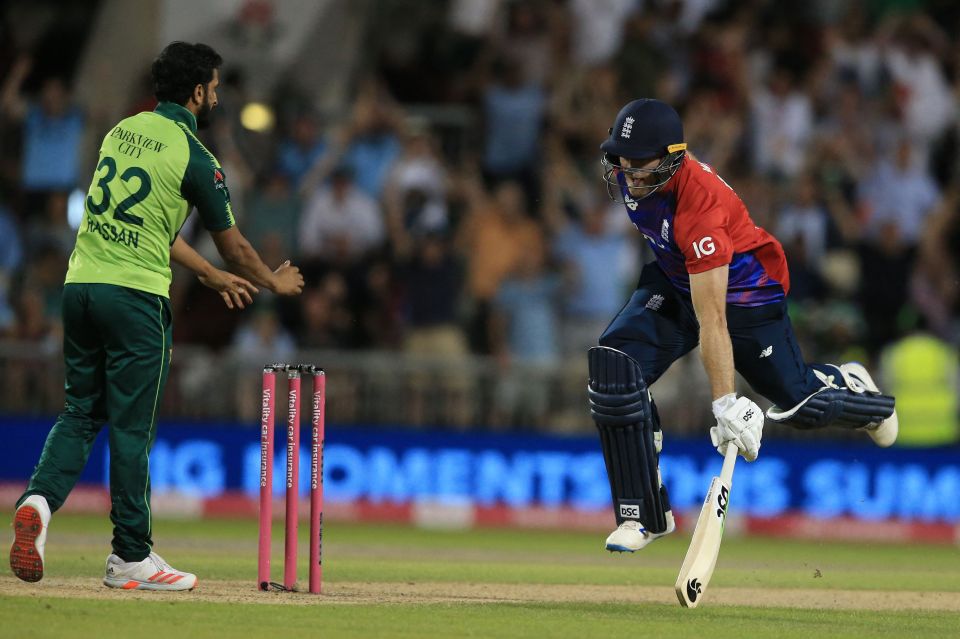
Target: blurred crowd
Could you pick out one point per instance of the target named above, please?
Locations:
(489, 232)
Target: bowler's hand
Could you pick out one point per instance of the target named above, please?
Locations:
(234, 290)
(289, 280)
(740, 422)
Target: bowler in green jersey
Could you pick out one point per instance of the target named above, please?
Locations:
(152, 172)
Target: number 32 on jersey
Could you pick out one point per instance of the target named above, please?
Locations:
(121, 211)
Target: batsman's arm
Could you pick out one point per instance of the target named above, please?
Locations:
(739, 419)
(709, 293)
(242, 258)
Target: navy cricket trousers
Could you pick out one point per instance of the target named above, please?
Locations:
(658, 326)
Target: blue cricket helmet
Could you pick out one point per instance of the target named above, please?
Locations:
(644, 129)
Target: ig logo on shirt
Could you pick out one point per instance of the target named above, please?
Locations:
(704, 246)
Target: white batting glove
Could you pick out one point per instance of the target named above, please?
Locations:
(740, 422)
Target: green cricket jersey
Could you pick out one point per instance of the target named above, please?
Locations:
(152, 170)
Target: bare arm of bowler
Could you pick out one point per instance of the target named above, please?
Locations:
(234, 290)
(244, 259)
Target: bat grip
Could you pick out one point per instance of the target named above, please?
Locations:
(729, 459)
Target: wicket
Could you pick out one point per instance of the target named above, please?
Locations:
(267, 419)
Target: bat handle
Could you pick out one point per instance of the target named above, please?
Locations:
(729, 459)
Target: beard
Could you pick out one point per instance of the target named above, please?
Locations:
(203, 116)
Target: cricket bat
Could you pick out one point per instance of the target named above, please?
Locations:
(704, 547)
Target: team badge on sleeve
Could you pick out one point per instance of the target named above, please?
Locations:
(220, 182)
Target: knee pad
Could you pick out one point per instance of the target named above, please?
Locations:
(630, 437)
(838, 406)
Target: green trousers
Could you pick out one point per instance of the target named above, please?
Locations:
(117, 349)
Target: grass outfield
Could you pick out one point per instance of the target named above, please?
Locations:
(387, 581)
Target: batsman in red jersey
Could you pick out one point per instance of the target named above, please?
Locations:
(719, 281)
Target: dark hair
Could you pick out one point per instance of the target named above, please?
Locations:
(179, 68)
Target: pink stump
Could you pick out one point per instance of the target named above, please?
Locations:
(316, 480)
(267, 407)
(293, 477)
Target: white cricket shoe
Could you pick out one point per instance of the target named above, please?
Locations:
(631, 536)
(153, 573)
(858, 379)
(30, 535)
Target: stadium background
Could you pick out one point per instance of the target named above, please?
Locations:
(433, 168)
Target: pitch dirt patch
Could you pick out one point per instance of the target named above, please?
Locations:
(347, 593)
